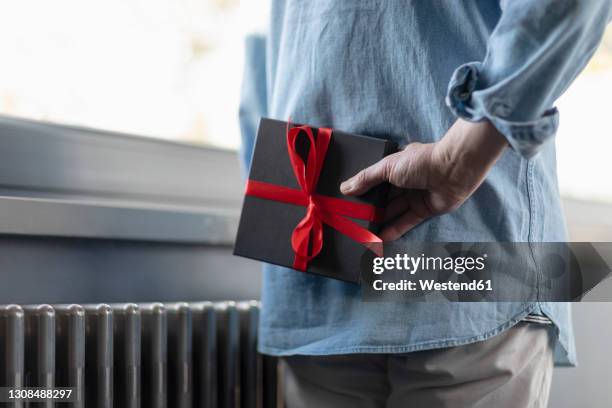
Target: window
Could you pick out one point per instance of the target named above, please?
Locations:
(172, 69)
(585, 132)
(162, 68)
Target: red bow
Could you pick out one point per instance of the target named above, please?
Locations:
(307, 237)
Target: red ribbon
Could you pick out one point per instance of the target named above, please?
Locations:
(307, 237)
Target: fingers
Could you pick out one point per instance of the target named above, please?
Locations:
(367, 178)
(397, 205)
(394, 192)
(409, 168)
(409, 210)
(400, 226)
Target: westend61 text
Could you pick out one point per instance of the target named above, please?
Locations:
(431, 285)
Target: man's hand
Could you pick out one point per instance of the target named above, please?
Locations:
(431, 179)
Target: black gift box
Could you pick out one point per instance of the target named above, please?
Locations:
(266, 226)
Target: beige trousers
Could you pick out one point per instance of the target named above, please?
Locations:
(512, 370)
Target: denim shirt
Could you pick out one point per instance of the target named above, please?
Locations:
(405, 70)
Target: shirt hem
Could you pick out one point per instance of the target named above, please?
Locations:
(409, 348)
(426, 345)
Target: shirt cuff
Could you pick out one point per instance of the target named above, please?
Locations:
(467, 102)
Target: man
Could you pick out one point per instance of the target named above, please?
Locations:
(468, 88)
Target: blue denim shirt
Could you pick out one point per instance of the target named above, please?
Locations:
(405, 70)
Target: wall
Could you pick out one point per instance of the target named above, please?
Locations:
(590, 384)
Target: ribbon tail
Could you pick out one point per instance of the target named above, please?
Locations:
(300, 263)
(354, 231)
(300, 241)
(308, 231)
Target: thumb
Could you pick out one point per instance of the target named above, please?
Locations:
(368, 177)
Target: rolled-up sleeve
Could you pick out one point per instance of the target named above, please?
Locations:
(534, 53)
(253, 95)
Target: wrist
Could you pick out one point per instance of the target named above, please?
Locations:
(472, 144)
(467, 152)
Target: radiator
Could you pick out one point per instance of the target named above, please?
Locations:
(147, 355)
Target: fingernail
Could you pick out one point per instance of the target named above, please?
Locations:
(346, 186)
